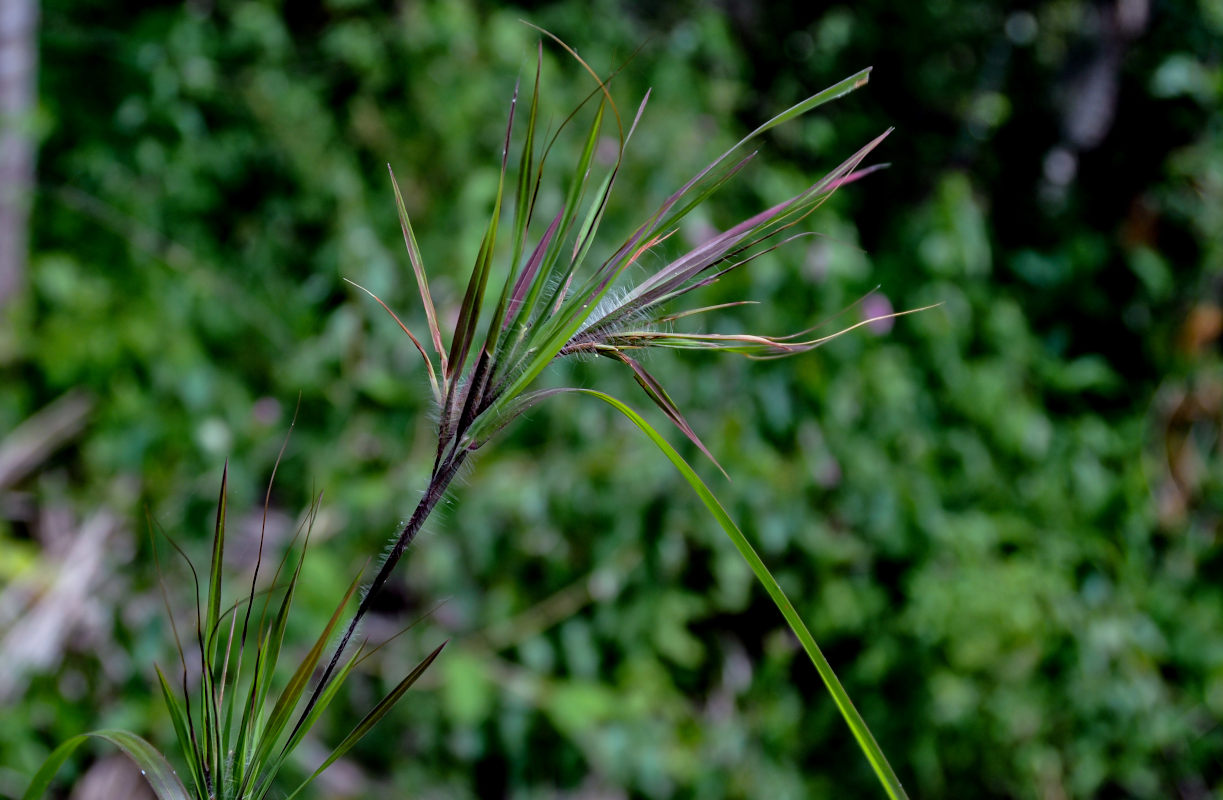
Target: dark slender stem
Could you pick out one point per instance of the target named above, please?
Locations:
(438, 484)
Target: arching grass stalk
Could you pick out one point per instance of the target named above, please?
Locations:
(554, 302)
(235, 734)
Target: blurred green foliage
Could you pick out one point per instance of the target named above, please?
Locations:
(1001, 518)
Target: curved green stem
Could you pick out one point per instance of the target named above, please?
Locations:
(879, 763)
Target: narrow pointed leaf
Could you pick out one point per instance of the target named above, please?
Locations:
(573, 197)
(529, 307)
(294, 690)
(660, 220)
(857, 725)
(594, 216)
(586, 234)
(218, 554)
(328, 694)
(153, 765)
(228, 697)
(267, 654)
(753, 230)
(237, 756)
(196, 749)
(371, 719)
(581, 175)
(839, 89)
(670, 281)
(659, 395)
(859, 174)
(473, 299)
(527, 278)
(209, 700)
(708, 252)
(525, 202)
(273, 767)
(685, 273)
(418, 268)
(667, 217)
(178, 716)
(542, 350)
(512, 360)
(437, 394)
(602, 83)
(496, 323)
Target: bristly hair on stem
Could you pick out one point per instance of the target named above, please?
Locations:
(554, 302)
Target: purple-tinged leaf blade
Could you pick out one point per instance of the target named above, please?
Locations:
(473, 299)
(527, 277)
(428, 362)
(659, 395)
(418, 268)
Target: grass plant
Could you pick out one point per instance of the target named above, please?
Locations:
(554, 302)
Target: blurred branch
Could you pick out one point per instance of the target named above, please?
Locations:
(18, 62)
(43, 621)
(34, 440)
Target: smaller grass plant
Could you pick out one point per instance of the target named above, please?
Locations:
(238, 730)
(552, 304)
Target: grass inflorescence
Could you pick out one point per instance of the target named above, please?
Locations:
(554, 302)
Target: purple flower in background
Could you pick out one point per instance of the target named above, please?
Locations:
(878, 313)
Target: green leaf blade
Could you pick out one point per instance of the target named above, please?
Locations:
(418, 268)
(838, 89)
(866, 740)
(372, 718)
(178, 716)
(153, 765)
(289, 698)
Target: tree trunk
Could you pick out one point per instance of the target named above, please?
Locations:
(18, 62)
